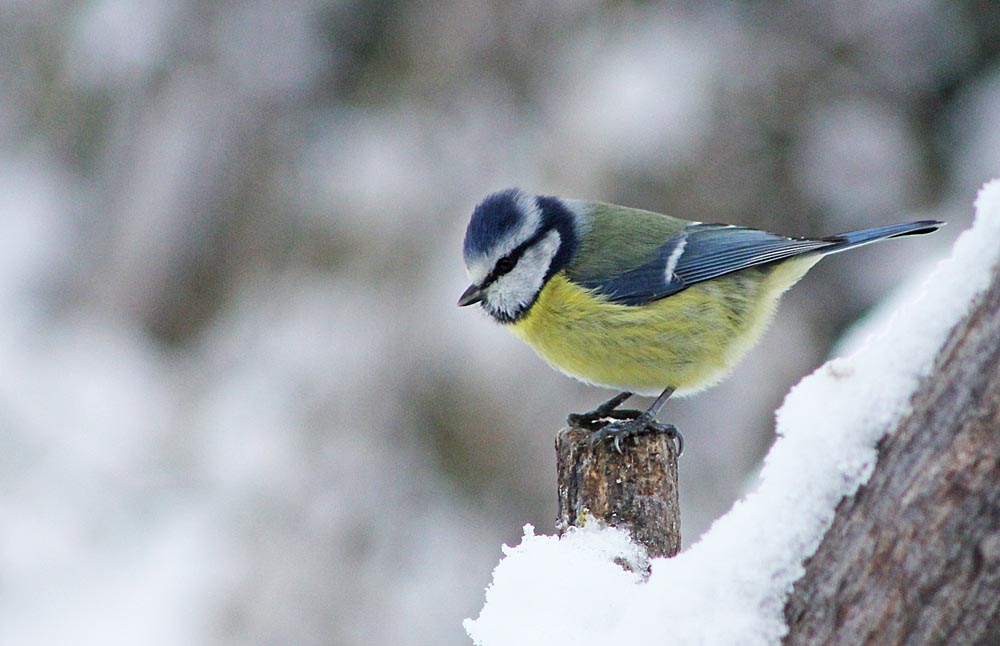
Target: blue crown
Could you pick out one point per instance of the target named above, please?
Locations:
(496, 216)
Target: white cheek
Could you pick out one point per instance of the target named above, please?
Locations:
(513, 292)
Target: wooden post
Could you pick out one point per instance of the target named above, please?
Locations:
(635, 490)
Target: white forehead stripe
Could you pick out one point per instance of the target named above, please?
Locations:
(477, 270)
(528, 224)
(528, 206)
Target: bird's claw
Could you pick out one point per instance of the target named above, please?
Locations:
(634, 427)
(598, 418)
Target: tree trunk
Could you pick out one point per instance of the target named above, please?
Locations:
(635, 490)
(914, 557)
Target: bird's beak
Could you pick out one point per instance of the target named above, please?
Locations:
(471, 296)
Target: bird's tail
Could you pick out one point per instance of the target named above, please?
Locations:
(865, 236)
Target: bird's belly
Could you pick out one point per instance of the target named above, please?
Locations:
(688, 341)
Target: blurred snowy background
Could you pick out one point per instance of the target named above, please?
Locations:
(238, 404)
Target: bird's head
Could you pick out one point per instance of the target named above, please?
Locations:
(514, 244)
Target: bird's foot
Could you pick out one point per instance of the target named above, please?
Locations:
(599, 417)
(634, 427)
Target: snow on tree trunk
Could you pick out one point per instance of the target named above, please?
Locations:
(914, 557)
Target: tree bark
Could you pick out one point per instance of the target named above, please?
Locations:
(635, 490)
(914, 556)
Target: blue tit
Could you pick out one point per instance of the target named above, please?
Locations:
(633, 300)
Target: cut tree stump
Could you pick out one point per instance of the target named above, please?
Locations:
(635, 490)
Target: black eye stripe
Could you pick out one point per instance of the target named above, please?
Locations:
(508, 262)
(504, 265)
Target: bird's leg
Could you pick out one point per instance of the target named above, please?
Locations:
(596, 418)
(645, 422)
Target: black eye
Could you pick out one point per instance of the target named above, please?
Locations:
(504, 265)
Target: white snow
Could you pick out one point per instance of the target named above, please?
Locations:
(730, 586)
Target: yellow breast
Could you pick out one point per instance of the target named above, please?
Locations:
(688, 341)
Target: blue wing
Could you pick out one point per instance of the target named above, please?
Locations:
(705, 251)
(702, 252)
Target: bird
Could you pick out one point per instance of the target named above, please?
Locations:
(633, 300)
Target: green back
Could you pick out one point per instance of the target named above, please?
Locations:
(620, 239)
